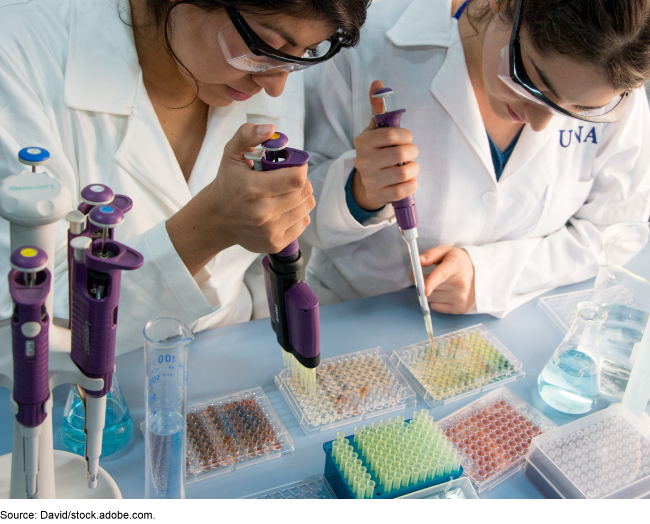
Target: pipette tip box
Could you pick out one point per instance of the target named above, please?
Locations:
(463, 363)
(561, 309)
(233, 432)
(493, 433)
(390, 459)
(603, 455)
(349, 389)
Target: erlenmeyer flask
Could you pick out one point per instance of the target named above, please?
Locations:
(570, 380)
(118, 427)
(623, 288)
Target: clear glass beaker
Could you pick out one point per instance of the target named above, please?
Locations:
(165, 355)
(623, 288)
(118, 427)
(570, 380)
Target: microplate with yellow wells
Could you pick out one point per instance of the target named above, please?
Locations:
(463, 363)
(349, 389)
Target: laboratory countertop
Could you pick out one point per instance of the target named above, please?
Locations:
(243, 356)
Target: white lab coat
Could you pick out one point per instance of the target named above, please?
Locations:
(536, 228)
(70, 82)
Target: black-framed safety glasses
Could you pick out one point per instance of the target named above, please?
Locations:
(246, 51)
(513, 73)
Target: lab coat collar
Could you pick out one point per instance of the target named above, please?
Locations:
(424, 22)
(103, 71)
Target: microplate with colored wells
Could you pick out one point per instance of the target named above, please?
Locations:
(233, 432)
(463, 363)
(603, 455)
(493, 433)
(561, 309)
(391, 458)
(349, 389)
(315, 487)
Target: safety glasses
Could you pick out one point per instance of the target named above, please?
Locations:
(246, 51)
(513, 74)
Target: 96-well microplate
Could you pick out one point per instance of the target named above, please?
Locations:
(603, 455)
(349, 388)
(561, 309)
(315, 487)
(464, 363)
(233, 432)
(494, 433)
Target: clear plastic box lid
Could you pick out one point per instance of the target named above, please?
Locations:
(464, 363)
(454, 489)
(561, 309)
(603, 455)
(233, 432)
(349, 389)
(493, 433)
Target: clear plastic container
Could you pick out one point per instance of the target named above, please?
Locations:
(454, 489)
(349, 389)
(315, 487)
(493, 433)
(561, 309)
(603, 455)
(118, 427)
(233, 432)
(464, 363)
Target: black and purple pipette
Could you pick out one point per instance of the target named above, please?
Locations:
(29, 285)
(95, 288)
(406, 214)
(293, 305)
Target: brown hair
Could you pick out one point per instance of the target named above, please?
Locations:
(614, 35)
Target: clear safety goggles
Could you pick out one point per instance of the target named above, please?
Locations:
(513, 74)
(246, 51)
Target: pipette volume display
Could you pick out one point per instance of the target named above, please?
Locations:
(391, 458)
(406, 215)
(293, 305)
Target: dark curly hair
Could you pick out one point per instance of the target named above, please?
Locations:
(614, 35)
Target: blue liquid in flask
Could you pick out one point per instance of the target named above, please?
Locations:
(117, 430)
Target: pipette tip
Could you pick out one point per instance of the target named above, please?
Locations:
(429, 326)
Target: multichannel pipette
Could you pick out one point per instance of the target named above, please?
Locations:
(406, 214)
(29, 285)
(293, 305)
(95, 281)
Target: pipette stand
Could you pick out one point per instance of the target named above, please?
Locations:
(33, 202)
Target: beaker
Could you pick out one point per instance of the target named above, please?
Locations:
(570, 380)
(623, 288)
(165, 355)
(118, 426)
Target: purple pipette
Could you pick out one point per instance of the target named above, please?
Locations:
(406, 214)
(293, 305)
(96, 277)
(29, 285)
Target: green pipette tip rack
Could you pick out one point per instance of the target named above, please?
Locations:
(390, 458)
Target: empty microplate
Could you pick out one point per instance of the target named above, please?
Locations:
(391, 458)
(349, 389)
(463, 363)
(603, 455)
(233, 432)
(315, 487)
(561, 309)
(493, 433)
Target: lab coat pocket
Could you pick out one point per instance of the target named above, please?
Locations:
(563, 199)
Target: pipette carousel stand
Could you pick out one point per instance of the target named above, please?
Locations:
(32, 203)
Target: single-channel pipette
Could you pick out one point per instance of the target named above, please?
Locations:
(406, 214)
(29, 286)
(293, 305)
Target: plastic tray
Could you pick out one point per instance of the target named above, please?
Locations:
(493, 433)
(240, 430)
(371, 462)
(349, 389)
(561, 309)
(454, 489)
(603, 455)
(315, 487)
(465, 362)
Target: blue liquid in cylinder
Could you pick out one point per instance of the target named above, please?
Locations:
(117, 430)
(569, 382)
